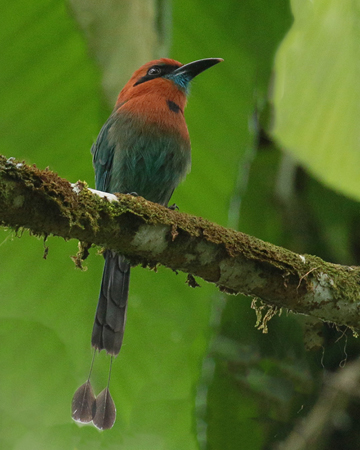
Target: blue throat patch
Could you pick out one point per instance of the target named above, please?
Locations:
(182, 81)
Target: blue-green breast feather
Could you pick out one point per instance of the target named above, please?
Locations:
(133, 156)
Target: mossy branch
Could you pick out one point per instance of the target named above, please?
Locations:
(147, 233)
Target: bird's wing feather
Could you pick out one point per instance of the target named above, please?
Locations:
(110, 318)
(103, 154)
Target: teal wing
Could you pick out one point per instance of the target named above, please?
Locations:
(103, 155)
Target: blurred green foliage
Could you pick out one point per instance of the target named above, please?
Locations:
(317, 94)
(193, 369)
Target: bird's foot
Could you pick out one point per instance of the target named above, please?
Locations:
(173, 207)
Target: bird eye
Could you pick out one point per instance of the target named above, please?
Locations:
(153, 71)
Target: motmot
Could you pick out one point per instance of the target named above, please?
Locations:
(142, 149)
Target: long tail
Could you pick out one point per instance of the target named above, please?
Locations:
(110, 317)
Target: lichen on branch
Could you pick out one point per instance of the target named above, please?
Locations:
(150, 234)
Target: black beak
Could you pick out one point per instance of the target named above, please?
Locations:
(194, 68)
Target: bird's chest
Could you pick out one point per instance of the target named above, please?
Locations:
(149, 159)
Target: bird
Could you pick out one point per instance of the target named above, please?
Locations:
(144, 149)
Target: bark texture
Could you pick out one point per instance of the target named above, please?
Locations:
(149, 234)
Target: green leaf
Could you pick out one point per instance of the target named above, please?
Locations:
(317, 92)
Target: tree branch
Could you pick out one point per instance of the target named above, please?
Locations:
(148, 233)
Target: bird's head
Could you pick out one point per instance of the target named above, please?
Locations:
(159, 74)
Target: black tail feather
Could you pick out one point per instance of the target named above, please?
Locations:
(110, 318)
